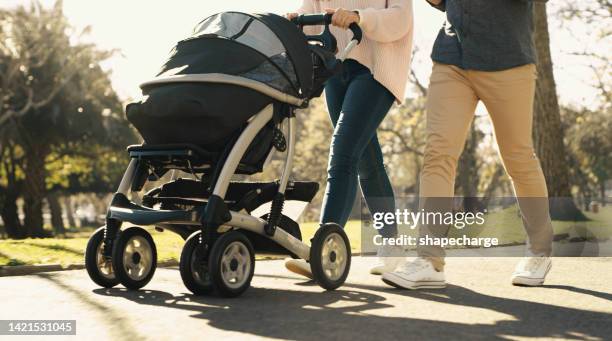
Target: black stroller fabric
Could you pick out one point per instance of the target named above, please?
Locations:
(193, 113)
(264, 48)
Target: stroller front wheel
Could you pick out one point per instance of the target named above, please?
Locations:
(330, 256)
(134, 257)
(194, 266)
(232, 264)
(99, 268)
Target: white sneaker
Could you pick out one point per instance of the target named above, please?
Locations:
(389, 258)
(299, 266)
(531, 271)
(418, 274)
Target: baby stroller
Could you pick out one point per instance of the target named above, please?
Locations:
(223, 101)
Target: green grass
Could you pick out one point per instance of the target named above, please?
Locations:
(505, 225)
(71, 250)
(353, 231)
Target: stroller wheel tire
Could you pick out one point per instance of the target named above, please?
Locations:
(99, 268)
(330, 256)
(231, 264)
(194, 266)
(134, 257)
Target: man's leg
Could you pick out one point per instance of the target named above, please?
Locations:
(451, 103)
(509, 97)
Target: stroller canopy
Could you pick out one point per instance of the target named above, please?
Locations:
(264, 52)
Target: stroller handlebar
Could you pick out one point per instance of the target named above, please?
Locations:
(313, 19)
(326, 20)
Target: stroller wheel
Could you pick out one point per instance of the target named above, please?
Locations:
(99, 268)
(232, 264)
(134, 257)
(330, 256)
(194, 266)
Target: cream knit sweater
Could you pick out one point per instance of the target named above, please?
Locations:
(386, 48)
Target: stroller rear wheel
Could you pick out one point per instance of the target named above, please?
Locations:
(194, 266)
(232, 264)
(99, 268)
(330, 256)
(134, 257)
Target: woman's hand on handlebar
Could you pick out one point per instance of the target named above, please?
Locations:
(343, 18)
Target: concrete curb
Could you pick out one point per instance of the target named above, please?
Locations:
(23, 270)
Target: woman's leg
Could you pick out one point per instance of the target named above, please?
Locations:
(335, 92)
(375, 184)
(364, 105)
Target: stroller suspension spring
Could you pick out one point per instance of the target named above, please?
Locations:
(275, 213)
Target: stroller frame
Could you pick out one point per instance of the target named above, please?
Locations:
(121, 211)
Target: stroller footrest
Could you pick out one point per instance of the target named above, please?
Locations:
(128, 211)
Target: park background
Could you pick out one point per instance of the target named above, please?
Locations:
(68, 68)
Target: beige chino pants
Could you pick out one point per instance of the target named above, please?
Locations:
(508, 96)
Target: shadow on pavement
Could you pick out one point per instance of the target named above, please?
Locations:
(121, 329)
(602, 295)
(346, 314)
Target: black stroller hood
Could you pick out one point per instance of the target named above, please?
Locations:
(265, 48)
(231, 67)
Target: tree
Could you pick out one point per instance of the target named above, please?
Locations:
(591, 146)
(55, 101)
(588, 128)
(548, 133)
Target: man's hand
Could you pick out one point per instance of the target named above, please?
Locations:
(290, 16)
(343, 18)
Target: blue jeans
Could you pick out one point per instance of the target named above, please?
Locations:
(357, 104)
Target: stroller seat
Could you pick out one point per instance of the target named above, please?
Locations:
(181, 156)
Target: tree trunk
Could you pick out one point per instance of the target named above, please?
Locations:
(492, 186)
(57, 222)
(69, 212)
(34, 191)
(467, 176)
(10, 216)
(602, 190)
(9, 195)
(548, 133)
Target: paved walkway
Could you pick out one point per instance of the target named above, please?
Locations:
(479, 303)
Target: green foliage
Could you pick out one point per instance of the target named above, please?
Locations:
(589, 137)
(59, 115)
(73, 108)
